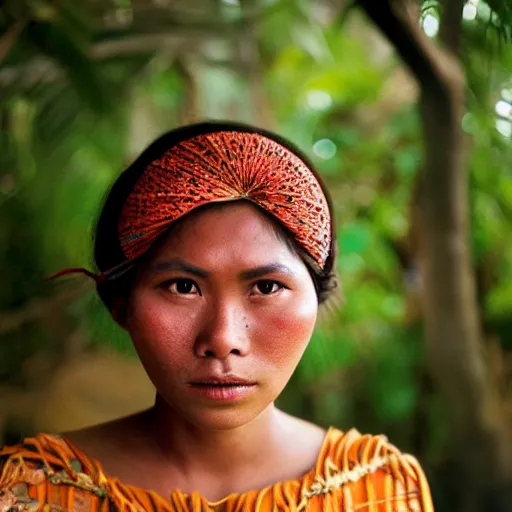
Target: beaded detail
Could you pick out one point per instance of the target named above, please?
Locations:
(227, 166)
(353, 472)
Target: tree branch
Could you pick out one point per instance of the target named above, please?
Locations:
(9, 38)
(43, 70)
(37, 309)
(454, 341)
(450, 33)
(434, 70)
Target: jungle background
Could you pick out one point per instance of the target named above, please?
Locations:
(406, 109)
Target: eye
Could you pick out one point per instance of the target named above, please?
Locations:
(183, 286)
(267, 287)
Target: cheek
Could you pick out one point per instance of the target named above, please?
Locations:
(293, 328)
(150, 320)
(289, 330)
(157, 328)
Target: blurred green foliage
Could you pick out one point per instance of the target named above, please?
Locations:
(70, 123)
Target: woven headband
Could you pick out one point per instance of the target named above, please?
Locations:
(223, 166)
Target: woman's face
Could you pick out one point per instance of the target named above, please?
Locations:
(221, 314)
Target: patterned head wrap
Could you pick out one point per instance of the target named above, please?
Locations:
(215, 163)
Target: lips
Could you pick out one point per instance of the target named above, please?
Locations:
(228, 380)
(221, 388)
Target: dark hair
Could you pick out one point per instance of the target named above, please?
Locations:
(107, 249)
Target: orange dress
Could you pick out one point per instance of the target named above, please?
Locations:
(353, 472)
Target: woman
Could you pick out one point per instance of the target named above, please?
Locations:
(215, 250)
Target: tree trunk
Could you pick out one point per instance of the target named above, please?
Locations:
(456, 357)
(481, 443)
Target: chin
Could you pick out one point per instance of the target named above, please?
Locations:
(226, 416)
(223, 419)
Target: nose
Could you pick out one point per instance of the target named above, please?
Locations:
(224, 333)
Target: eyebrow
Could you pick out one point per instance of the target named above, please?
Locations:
(252, 273)
(178, 264)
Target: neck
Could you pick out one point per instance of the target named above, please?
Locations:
(195, 449)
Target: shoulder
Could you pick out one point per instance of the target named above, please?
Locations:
(367, 472)
(35, 472)
(107, 442)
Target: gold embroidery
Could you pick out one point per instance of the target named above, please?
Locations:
(81, 481)
(336, 478)
(353, 473)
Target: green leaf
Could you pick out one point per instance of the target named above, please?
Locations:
(57, 43)
(354, 238)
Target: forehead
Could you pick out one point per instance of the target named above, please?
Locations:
(237, 229)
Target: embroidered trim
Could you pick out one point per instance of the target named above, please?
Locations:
(45, 460)
(82, 481)
(336, 478)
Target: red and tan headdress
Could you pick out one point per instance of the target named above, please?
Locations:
(222, 162)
